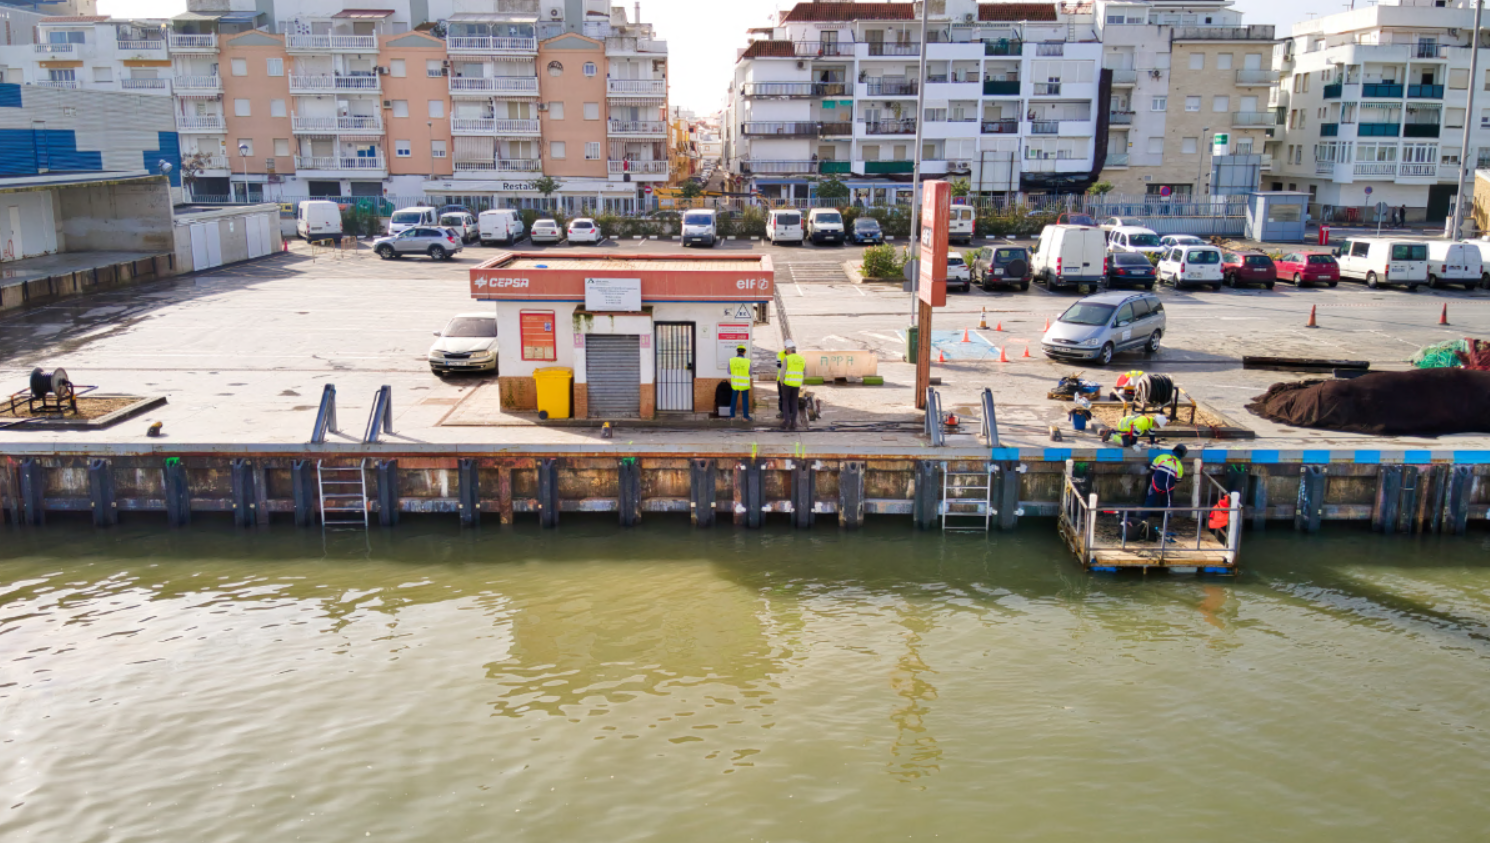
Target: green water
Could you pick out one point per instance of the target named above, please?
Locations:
(664, 684)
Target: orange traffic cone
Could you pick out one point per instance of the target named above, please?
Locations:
(1026, 349)
(1311, 323)
(940, 356)
(983, 320)
(1443, 318)
(1047, 323)
(1003, 358)
(999, 327)
(964, 335)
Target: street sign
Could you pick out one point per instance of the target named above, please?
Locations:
(1165, 190)
(936, 204)
(1220, 144)
(1381, 210)
(648, 190)
(1368, 191)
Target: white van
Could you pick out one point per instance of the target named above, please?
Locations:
(784, 226)
(701, 226)
(960, 224)
(1483, 244)
(318, 219)
(1069, 255)
(824, 225)
(407, 218)
(1134, 238)
(1379, 261)
(499, 225)
(1186, 265)
(1454, 263)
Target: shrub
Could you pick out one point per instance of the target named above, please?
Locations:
(361, 221)
(751, 223)
(882, 262)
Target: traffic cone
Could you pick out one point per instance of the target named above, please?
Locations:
(964, 335)
(1311, 323)
(1003, 358)
(983, 320)
(1443, 318)
(1000, 327)
(1047, 323)
(1026, 349)
(940, 356)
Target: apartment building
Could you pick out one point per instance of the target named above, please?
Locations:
(1012, 99)
(1377, 98)
(286, 101)
(1183, 73)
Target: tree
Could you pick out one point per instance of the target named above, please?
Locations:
(547, 185)
(1099, 188)
(832, 188)
(960, 187)
(690, 190)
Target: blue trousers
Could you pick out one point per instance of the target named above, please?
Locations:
(737, 399)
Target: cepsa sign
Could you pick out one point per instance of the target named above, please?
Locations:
(546, 276)
(936, 205)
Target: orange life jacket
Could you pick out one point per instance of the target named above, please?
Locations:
(1220, 515)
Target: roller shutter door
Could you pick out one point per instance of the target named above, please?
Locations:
(613, 375)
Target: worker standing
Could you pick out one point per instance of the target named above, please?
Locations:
(791, 346)
(1127, 382)
(791, 380)
(739, 382)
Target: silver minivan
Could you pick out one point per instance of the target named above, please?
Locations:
(1098, 327)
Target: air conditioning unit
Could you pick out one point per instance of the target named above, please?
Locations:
(801, 65)
(555, 12)
(543, 106)
(387, 103)
(968, 18)
(1155, 74)
(379, 70)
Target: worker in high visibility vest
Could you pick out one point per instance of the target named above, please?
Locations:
(1165, 473)
(1127, 382)
(1130, 428)
(792, 373)
(780, 368)
(739, 382)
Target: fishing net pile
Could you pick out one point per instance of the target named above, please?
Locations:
(1465, 353)
(1421, 402)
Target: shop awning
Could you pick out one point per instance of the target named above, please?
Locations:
(361, 138)
(641, 101)
(364, 14)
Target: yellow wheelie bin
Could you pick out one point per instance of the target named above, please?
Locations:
(553, 390)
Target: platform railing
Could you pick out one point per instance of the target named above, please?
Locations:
(380, 421)
(326, 416)
(1078, 522)
(934, 417)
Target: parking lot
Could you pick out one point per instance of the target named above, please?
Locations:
(242, 351)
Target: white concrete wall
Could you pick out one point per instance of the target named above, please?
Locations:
(37, 233)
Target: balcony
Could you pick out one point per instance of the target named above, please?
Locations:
(886, 88)
(361, 125)
(1418, 171)
(64, 84)
(1117, 160)
(616, 45)
(1331, 92)
(842, 128)
(785, 130)
(494, 85)
(1255, 32)
(824, 49)
(634, 87)
(1125, 118)
(1430, 50)
(1420, 130)
(835, 168)
(1382, 90)
(777, 89)
(353, 163)
(197, 123)
(331, 44)
(334, 84)
(1324, 168)
(645, 168)
(1251, 119)
(1387, 170)
(136, 46)
(1000, 89)
(1057, 48)
(161, 85)
(1425, 92)
(208, 162)
(1124, 78)
(1045, 127)
(878, 48)
(467, 45)
(198, 84)
(1000, 127)
(1003, 47)
(526, 166)
(752, 167)
(632, 128)
(192, 43)
(878, 168)
(1259, 79)
(1329, 130)
(1047, 89)
(52, 49)
(890, 127)
(1378, 130)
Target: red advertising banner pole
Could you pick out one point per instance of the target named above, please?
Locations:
(931, 284)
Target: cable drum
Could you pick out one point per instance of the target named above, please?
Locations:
(1154, 390)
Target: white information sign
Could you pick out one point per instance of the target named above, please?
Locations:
(730, 336)
(613, 295)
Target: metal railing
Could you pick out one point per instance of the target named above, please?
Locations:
(367, 123)
(500, 165)
(340, 162)
(1057, 48)
(634, 127)
(1125, 118)
(1003, 47)
(1425, 92)
(325, 416)
(643, 167)
(1125, 77)
(468, 44)
(65, 84)
(211, 162)
(880, 48)
(192, 42)
(1324, 168)
(1418, 170)
(494, 84)
(329, 43)
(785, 129)
(824, 49)
(1258, 77)
(197, 83)
(885, 88)
(1389, 169)
(635, 87)
(1252, 118)
(145, 84)
(1045, 127)
(890, 127)
(1254, 32)
(842, 127)
(777, 89)
(1180, 535)
(141, 46)
(207, 123)
(752, 166)
(1047, 89)
(1385, 90)
(52, 48)
(335, 83)
(1117, 159)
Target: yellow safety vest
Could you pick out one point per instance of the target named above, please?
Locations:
(780, 364)
(739, 373)
(796, 369)
(1137, 425)
(1170, 463)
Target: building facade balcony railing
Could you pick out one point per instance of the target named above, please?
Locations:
(357, 163)
(1045, 127)
(1254, 32)
(1378, 130)
(1258, 78)
(1418, 171)
(886, 88)
(491, 46)
(777, 89)
(1329, 130)
(1057, 48)
(800, 129)
(635, 87)
(835, 129)
(201, 123)
(52, 49)
(890, 127)
(835, 168)
(644, 128)
(646, 168)
(1425, 92)
(1125, 77)
(1420, 130)
(494, 85)
(1332, 91)
(1117, 159)
(752, 166)
(1000, 127)
(880, 48)
(1324, 168)
(500, 165)
(1003, 47)
(209, 162)
(1047, 89)
(1382, 90)
(1125, 118)
(331, 44)
(192, 42)
(64, 84)
(145, 84)
(139, 46)
(314, 84)
(205, 84)
(1376, 169)
(1430, 50)
(1251, 119)
(824, 49)
(1000, 88)
(360, 124)
(879, 168)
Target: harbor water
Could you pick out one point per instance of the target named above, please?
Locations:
(670, 684)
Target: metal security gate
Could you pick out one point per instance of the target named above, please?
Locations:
(613, 375)
(674, 345)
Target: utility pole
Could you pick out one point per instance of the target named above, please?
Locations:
(916, 177)
(1451, 231)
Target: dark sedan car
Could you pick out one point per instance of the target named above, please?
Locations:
(1130, 269)
(1239, 268)
(867, 230)
(1002, 265)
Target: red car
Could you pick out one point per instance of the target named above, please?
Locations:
(1309, 268)
(1248, 268)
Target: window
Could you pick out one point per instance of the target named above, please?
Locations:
(1220, 103)
(590, 68)
(437, 149)
(240, 67)
(1244, 146)
(1223, 61)
(282, 147)
(276, 108)
(556, 111)
(398, 68)
(1359, 249)
(537, 330)
(1159, 103)
(1197, 61)
(400, 108)
(275, 67)
(103, 74)
(555, 69)
(240, 108)
(592, 151)
(1188, 145)
(1192, 103)
(401, 149)
(245, 147)
(1156, 146)
(556, 149)
(437, 108)
(592, 111)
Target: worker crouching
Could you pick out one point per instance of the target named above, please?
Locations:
(1165, 474)
(1130, 428)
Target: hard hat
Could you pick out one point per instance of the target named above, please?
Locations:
(1162, 421)
(739, 348)
(791, 343)
(1180, 450)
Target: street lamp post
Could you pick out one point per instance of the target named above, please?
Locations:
(243, 153)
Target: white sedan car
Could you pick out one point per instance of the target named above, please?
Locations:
(584, 230)
(468, 344)
(546, 231)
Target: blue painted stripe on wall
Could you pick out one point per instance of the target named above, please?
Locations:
(1316, 457)
(1265, 457)
(1057, 454)
(1213, 455)
(27, 151)
(1416, 457)
(1109, 455)
(1010, 454)
(1368, 457)
(170, 152)
(1472, 457)
(10, 96)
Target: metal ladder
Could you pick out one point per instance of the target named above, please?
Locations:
(967, 495)
(343, 496)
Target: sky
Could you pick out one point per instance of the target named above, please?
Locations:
(703, 37)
